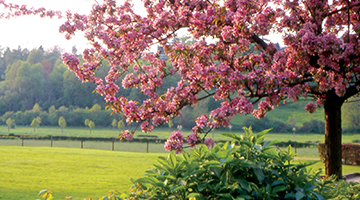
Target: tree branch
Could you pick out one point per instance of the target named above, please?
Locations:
(259, 41)
(342, 9)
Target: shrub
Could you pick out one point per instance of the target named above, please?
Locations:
(350, 153)
(246, 168)
(341, 190)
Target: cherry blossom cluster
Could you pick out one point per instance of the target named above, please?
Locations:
(238, 68)
(126, 134)
(175, 142)
(15, 10)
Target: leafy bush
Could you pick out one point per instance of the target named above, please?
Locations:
(350, 153)
(340, 189)
(242, 169)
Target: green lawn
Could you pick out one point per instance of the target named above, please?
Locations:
(80, 173)
(161, 133)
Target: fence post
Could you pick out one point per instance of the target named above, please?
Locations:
(22, 141)
(51, 141)
(113, 140)
(82, 142)
(147, 145)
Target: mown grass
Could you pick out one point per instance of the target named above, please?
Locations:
(81, 173)
(162, 133)
(100, 145)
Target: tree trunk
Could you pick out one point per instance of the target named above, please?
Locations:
(332, 107)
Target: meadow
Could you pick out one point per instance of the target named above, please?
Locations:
(81, 173)
(94, 170)
(162, 133)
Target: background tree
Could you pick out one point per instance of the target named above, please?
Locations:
(9, 123)
(171, 124)
(121, 125)
(36, 123)
(87, 121)
(62, 124)
(239, 67)
(91, 125)
(114, 124)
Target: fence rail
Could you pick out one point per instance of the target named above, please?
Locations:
(112, 144)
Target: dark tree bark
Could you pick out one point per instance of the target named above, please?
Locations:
(333, 152)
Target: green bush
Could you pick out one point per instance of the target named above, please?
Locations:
(247, 168)
(350, 153)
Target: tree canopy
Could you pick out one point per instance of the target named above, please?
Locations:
(231, 60)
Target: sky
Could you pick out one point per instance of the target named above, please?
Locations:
(32, 31)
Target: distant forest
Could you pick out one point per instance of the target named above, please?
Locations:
(40, 77)
(37, 83)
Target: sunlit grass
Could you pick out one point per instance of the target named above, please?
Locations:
(80, 173)
(162, 133)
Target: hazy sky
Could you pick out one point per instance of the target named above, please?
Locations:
(33, 31)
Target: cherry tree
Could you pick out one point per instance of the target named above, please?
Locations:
(230, 60)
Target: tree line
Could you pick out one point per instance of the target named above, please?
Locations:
(39, 77)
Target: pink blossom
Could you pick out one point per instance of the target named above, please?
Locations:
(126, 135)
(193, 139)
(175, 142)
(71, 61)
(237, 69)
(310, 107)
(209, 142)
(146, 127)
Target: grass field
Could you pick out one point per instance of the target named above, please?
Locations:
(162, 133)
(81, 173)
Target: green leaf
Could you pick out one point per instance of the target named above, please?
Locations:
(258, 147)
(244, 184)
(258, 173)
(228, 159)
(159, 167)
(277, 182)
(213, 162)
(232, 135)
(271, 151)
(196, 195)
(225, 196)
(172, 159)
(270, 143)
(186, 155)
(318, 196)
(178, 188)
(249, 144)
(191, 167)
(201, 187)
(216, 171)
(259, 138)
(278, 189)
(299, 195)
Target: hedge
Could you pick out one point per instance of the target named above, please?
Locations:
(350, 153)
